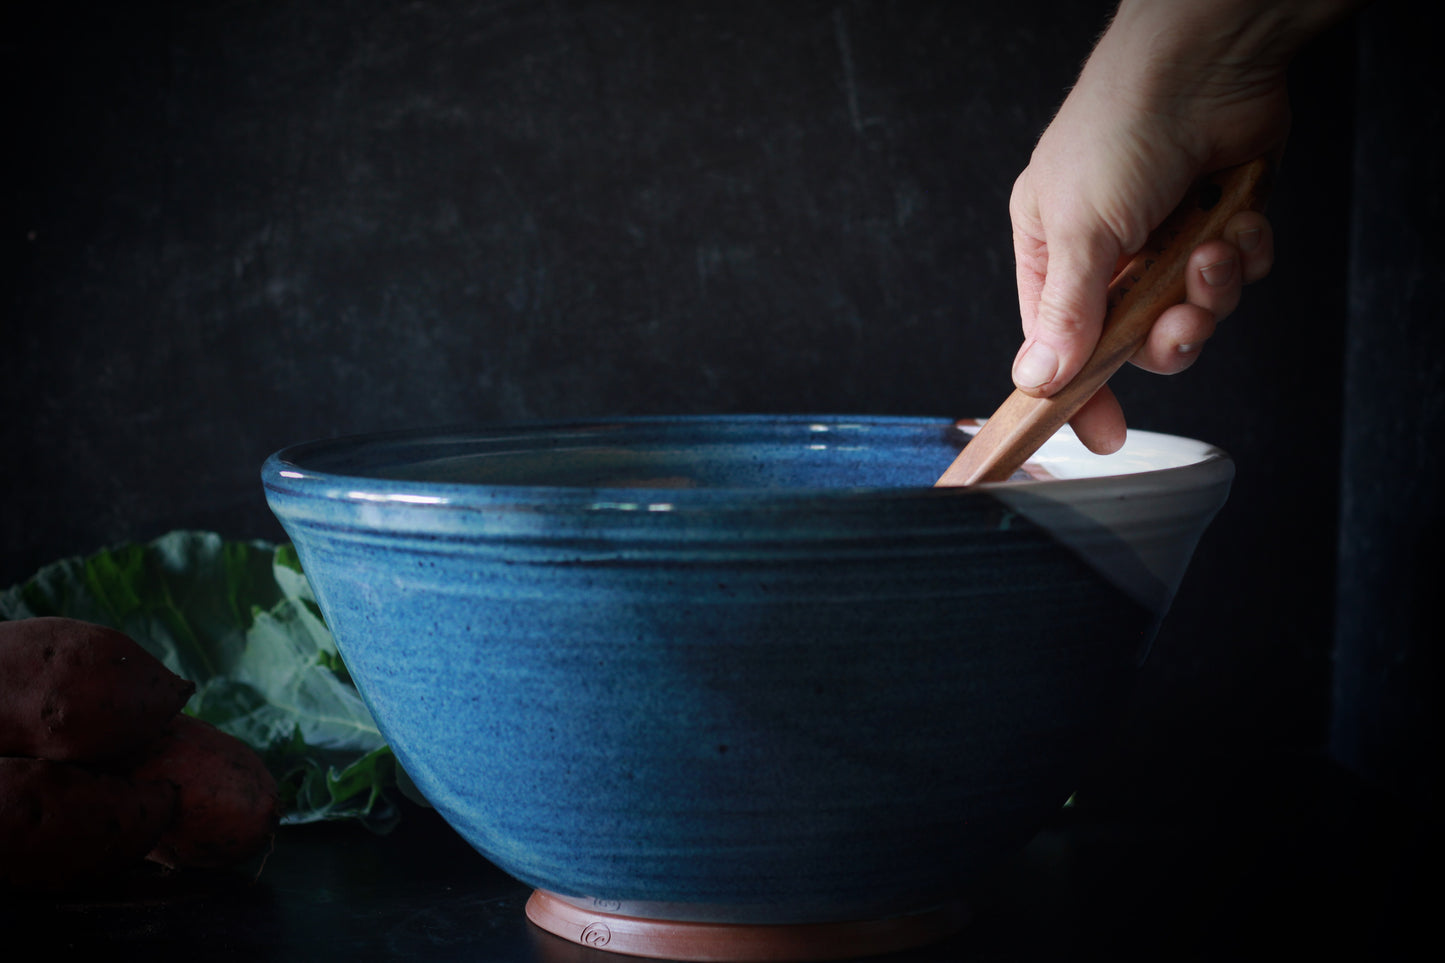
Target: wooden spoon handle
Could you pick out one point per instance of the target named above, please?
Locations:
(1150, 283)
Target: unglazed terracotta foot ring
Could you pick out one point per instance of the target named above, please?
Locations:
(740, 942)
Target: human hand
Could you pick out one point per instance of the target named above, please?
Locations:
(1172, 91)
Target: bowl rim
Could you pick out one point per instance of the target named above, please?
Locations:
(285, 473)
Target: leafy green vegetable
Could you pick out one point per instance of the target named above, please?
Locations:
(238, 618)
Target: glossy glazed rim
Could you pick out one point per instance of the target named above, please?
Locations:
(285, 472)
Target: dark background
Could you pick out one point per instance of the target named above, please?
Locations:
(239, 225)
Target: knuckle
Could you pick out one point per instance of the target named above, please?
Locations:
(1063, 320)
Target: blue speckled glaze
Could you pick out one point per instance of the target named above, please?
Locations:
(752, 669)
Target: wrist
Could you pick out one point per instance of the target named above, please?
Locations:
(1187, 66)
(1260, 34)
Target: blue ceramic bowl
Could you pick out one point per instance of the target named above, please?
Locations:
(750, 669)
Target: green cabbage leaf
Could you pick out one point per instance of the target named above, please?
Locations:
(238, 619)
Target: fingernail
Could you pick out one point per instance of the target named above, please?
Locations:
(1036, 366)
(1219, 273)
(1187, 348)
(1248, 240)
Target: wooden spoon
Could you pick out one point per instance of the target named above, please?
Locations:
(1150, 283)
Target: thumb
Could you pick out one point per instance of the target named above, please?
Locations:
(1070, 311)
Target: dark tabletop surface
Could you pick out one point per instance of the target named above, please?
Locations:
(1272, 857)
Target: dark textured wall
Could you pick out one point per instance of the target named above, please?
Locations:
(1388, 676)
(257, 222)
(244, 224)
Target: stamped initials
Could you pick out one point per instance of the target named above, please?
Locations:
(596, 934)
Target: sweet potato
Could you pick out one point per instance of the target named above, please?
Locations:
(63, 826)
(228, 807)
(77, 692)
